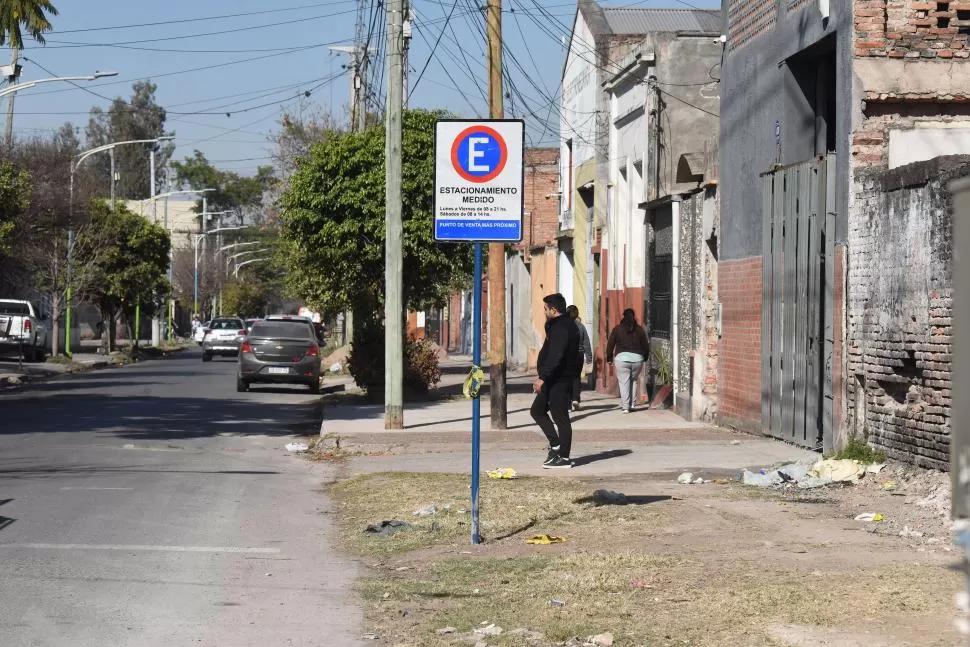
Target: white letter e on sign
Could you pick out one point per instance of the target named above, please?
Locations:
(474, 154)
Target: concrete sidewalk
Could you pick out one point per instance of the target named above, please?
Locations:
(606, 441)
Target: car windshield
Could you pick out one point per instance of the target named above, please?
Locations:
(226, 324)
(281, 330)
(16, 309)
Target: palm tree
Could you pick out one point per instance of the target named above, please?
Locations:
(17, 16)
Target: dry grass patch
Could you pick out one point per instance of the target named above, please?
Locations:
(508, 509)
(641, 599)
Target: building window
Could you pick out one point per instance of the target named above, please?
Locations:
(661, 296)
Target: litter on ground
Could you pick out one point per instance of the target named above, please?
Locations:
(869, 516)
(426, 511)
(501, 473)
(297, 447)
(387, 527)
(686, 478)
(544, 540)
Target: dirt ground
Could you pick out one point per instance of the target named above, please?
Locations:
(715, 564)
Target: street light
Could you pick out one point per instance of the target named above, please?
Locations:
(12, 89)
(26, 85)
(254, 260)
(75, 163)
(198, 239)
(171, 305)
(233, 257)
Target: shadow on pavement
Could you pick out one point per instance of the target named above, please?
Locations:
(142, 417)
(601, 456)
(624, 499)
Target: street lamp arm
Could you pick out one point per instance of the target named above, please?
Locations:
(106, 147)
(29, 84)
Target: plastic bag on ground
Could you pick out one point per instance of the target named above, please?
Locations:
(842, 470)
(761, 480)
(501, 473)
(297, 447)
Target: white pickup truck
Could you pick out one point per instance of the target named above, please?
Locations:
(22, 328)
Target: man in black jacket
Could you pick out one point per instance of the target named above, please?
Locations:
(558, 362)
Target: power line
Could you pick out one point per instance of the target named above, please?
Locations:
(435, 47)
(201, 35)
(201, 18)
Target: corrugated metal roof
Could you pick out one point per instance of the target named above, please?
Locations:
(645, 21)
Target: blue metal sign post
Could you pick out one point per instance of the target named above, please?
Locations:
(476, 400)
(478, 198)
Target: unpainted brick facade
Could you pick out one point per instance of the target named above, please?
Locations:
(899, 392)
(739, 352)
(912, 30)
(540, 221)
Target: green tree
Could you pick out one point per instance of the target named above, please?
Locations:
(131, 267)
(15, 190)
(139, 118)
(332, 224)
(233, 192)
(244, 298)
(17, 15)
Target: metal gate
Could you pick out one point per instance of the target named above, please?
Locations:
(797, 282)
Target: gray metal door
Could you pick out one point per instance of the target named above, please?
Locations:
(797, 288)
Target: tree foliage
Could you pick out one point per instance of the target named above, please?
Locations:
(244, 298)
(18, 15)
(139, 118)
(333, 223)
(132, 266)
(235, 192)
(15, 190)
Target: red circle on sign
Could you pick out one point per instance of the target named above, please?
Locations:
(503, 157)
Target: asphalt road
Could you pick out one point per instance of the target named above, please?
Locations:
(154, 505)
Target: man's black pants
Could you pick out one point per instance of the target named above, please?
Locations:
(555, 399)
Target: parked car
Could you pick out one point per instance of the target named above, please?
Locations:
(222, 337)
(200, 332)
(317, 329)
(279, 351)
(21, 327)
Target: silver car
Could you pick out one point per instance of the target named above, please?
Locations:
(222, 337)
(279, 352)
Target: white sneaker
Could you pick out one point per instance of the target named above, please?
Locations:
(575, 406)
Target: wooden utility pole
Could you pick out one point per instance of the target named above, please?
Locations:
(394, 287)
(496, 251)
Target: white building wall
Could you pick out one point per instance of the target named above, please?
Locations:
(577, 109)
(629, 130)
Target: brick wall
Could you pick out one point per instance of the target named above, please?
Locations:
(739, 350)
(906, 29)
(540, 221)
(899, 307)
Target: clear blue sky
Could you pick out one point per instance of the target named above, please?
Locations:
(273, 57)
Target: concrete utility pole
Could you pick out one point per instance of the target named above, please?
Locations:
(358, 84)
(498, 394)
(394, 287)
(15, 68)
(408, 17)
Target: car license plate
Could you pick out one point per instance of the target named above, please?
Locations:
(278, 370)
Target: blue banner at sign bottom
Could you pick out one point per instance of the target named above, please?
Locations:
(472, 230)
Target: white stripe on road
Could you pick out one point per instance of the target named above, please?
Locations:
(96, 488)
(162, 549)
